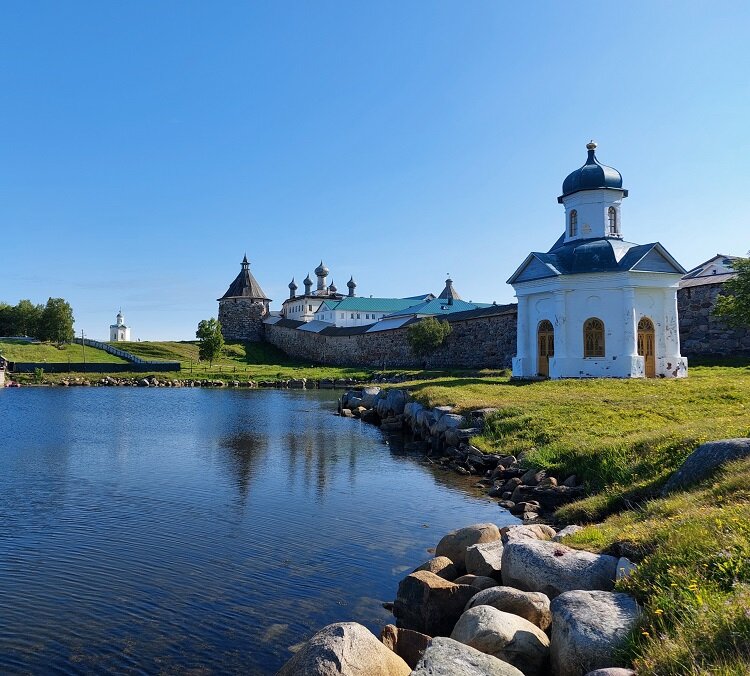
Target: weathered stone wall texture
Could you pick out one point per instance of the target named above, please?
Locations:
(242, 319)
(485, 342)
(701, 333)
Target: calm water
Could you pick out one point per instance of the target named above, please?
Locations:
(200, 531)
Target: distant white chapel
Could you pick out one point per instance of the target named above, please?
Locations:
(595, 305)
(118, 332)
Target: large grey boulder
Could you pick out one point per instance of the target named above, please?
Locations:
(705, 459)
(532, 606)
(478, 581)
(587, 628)
(406, 643)
(537, 531)
(446, 657)
(454, 544)
(506, 636)
(484, 559)
(441, 566)
(395, 401)
(370, 396)
(446, 422)
(553, 568)
(346, 649)
(429, 604)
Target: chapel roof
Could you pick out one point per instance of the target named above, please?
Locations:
(601, 254)
(591, 176)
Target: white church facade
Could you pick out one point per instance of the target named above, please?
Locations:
(596, 305)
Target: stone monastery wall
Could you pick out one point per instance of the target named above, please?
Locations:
(480, 342)
(241, 319)
(701, 333)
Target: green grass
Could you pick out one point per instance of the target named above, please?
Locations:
(21, 351)
(240, 361)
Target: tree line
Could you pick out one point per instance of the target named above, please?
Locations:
(52, 322)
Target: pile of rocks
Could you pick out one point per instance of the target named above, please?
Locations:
(154, 381)
(508, 602)
(444, 437)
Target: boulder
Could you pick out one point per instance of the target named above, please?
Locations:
(532, 532)
(477, 581)
(395, 402)
(705, 459)
(429, 604)
(441, 566)
(553, 568)
(531, 606)
(369, 396)
(625, 567)
(346, 649)
(484, 559)
(508, 637)
(550, 497)
(446, 657)
(454, 544)
(587, 629)
(568, 530)
(445, 422)
(407, 644)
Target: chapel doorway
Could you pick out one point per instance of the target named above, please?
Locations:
(545, 346)
(646, 346)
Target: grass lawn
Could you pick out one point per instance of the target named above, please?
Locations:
(21, 351)
(240, 361)
(624, 438)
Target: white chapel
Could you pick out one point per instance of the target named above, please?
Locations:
(119, 332)
(596, 305)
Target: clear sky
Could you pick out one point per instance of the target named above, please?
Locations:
(145, 146)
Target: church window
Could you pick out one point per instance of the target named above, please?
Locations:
(593, 338)
(352, 315)
(573, 223)
(358, 315)
(612, 217)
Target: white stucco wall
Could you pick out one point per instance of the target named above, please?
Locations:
(345, 318)
(592, 207)
(301, 309)
(620, 300)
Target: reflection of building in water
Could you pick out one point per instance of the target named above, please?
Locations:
(246, 450)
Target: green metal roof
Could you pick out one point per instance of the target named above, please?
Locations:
(360, 304)
(439, 306)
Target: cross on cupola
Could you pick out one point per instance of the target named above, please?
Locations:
(592, 196)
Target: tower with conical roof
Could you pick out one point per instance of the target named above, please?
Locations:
(243, 307)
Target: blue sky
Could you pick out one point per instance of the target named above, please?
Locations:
(145, 146)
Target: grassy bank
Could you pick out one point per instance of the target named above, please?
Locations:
(623, 439)
(22, 351)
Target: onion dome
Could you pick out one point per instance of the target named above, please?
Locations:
(307, 280)
(591, 176)
(332, 287)
(293, 285)
(352, 285)
(322, 270)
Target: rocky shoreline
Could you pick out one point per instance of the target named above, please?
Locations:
(443, 437)
(497, 602)
(512, 601)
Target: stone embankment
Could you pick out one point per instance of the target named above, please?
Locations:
(498, 602)
(444, 437)
(153, 381)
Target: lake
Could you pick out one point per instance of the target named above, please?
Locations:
(202, 531)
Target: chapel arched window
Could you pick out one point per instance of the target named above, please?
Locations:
(573, 223)
(612, 217)
(593, 337)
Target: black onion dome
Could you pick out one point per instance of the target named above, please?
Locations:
(322, 270)
(591, 175)
(293, 285)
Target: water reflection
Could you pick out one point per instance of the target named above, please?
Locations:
(164, 531)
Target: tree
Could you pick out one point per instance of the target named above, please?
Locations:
(734, 307)
(427, 335)
(7, 320)
(211, 340)
(26, 319)
(56, 322)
